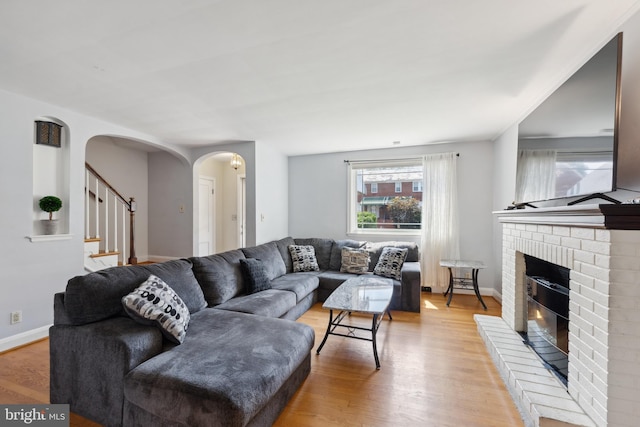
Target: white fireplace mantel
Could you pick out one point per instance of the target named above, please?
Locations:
(608, 216)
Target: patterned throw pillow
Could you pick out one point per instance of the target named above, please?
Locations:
(390, 263)
(155, 303)
(303, 258)
(254, 275)
(354, 261)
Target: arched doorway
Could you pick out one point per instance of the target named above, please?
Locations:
(221, 203)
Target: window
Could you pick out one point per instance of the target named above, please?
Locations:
(417, 187)
(390, 207)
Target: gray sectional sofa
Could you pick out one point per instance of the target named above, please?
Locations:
(242, 357)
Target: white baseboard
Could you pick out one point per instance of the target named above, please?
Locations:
(157, 258)
(497, 295)
(24, 338)
(483, 291)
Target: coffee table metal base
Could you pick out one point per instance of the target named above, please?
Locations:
(351, 330)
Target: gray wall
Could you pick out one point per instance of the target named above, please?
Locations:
(126, 170)
(318, 196)
(170, 186)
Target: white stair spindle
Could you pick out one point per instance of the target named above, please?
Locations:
(124, 234)
(86, 204)
(106, 220)
(97, 208)
(115, 223)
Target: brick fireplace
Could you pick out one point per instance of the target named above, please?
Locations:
(600, 244)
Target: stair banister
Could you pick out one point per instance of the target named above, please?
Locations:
(132, 221)
(129, 205)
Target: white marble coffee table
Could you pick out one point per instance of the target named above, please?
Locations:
(366, 294)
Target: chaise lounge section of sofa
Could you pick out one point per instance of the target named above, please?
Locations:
(242, 358)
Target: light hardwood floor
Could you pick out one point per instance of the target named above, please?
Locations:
(435, 372)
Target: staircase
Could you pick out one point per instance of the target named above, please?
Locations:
(108, 233)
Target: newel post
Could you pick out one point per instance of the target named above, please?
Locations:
(132, 246)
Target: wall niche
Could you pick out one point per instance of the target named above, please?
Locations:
(51, 157)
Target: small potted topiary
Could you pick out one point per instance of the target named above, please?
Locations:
(50, 204)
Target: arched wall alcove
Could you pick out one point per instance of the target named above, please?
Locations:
(51, 157)
(151, 174)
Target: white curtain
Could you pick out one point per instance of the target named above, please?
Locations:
(536, 175)
(440, 225)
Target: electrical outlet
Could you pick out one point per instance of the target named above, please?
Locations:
(16, 317)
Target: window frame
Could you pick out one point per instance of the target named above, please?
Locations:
(352, 197)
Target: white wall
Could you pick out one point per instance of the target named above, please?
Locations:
(318, 196)
(33, 272)
(272, 197)
(505, 154)
(126, 170)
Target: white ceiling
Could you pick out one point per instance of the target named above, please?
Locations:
(307, 76)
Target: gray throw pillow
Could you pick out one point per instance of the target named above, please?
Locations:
(303, 258)
(155, 303)
(390, 263)
(354, 261)
(254, 275)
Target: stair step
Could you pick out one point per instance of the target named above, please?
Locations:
(92, 239)
(101, 254)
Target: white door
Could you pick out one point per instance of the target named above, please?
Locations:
(242, 210)
(206, 215)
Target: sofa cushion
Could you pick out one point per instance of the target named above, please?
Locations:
(354, 261)
(322, 248)
(283, 248)
(179, 274)
(302, 284)
(375, 249)
(303, 258)
(390, 263)
(227, 369)
(108, 286)
(155, 303)
(219, 276)
(269, 303)
(335, 260)
(254, 275)
(270, 256)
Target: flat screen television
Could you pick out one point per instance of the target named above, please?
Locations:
(567, 147)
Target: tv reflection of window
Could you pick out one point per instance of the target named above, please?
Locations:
(585, 176)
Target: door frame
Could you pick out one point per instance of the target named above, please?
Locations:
(241, 211)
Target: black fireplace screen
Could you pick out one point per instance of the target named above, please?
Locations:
(548, 314)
